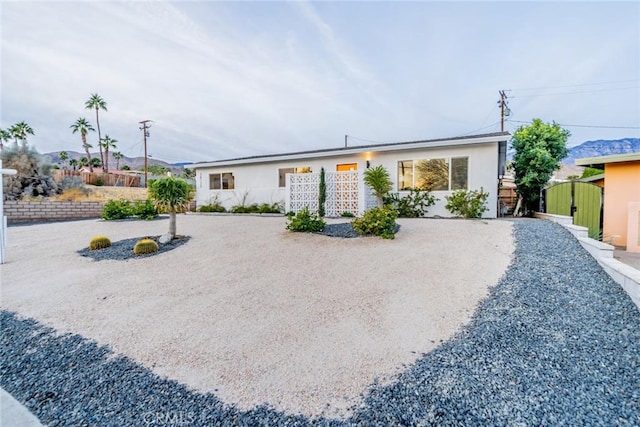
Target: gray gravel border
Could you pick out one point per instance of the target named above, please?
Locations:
(556, 342)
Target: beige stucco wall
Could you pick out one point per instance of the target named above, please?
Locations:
(259, 181)
(622, 186)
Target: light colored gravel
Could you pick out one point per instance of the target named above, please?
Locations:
(254, 313)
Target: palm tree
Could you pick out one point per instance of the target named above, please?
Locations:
(5, 136)
(378, 179)
(170, 194)
(107, 142)
(96, 101)
(63, 156)
(20, 130)
(117, 155)
(73, 163)
(83, 162)
(83, 126)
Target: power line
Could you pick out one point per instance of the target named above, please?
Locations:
(578, 85)
(572, 93)
(584, 126)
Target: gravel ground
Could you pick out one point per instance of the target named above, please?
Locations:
(555, 343)
(123, 249)
(344, 229)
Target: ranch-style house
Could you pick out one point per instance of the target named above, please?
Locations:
(444, 165)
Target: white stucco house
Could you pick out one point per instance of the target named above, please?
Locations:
(469, 162)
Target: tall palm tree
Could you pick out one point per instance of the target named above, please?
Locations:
(378, 179)
(107, 143)
(19, 131)
(73, 163)
(117, 155)
(96, 102)
(5, 136)
(83, 126)
(63, 156)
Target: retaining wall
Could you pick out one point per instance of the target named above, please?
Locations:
(20, 211)
(625, 275)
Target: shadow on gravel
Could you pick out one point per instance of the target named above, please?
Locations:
(556, 342)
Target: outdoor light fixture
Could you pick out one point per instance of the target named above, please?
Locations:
(368, 164)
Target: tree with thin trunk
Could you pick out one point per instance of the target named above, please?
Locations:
(5, 136)
(117, 155)
(96, 102)
(19, 131)
(84, 127)
(73, 163)
(107, 143)
(378, 179)
(64, 156)
(170, 194)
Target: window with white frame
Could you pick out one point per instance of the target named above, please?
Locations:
(221, 181)
(440, 174)
(282, 174)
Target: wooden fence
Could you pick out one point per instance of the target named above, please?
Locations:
(109, 179)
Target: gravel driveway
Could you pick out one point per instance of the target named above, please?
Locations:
(555, 342)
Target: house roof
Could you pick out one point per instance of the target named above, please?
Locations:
(329, 152)
(599, 162)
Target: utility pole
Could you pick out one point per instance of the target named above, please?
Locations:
(504, 109)
(145, 132)
(345, 141)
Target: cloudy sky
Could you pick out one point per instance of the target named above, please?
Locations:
(229, 79)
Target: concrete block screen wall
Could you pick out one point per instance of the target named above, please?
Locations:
(21, 211)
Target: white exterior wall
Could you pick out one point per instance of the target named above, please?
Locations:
(259, 181)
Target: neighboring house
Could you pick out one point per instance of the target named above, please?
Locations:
(470, 162)
(621, 198)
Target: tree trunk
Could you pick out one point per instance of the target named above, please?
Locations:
(379, 201)
(86, 149)
(99, 138)
(105, 163)
(172, 223)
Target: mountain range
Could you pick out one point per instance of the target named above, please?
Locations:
(135, 163)
(602, 147)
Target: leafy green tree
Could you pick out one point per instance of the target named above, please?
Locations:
(588, 172)
(107, 143)
(157, 170)
(83, 162)
(117, 155)
(171, 195)
(64, 156)
(84, 127)
(19, 131)
(125, 168)
(95, 162)
(539, 147)
(188, 173)
(378, 179)
(96, 102)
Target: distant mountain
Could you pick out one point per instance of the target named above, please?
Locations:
(135, 163)
(602, 147)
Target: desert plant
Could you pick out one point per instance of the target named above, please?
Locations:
(271, 208)
(117, 209)
(377, 222)
(413, 205)
(99, 242)
(212, 208)
(347, 215)
(322, 194)
(305, 221)
(467, 204)
(144, 209)
(378, 179)
(145, 246)
(170, 194)
(33, 173)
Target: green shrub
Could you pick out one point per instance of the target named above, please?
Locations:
(378, 222)
(145, 246)
(145, 210)
(290, 214)
(270, 208)
(347, 215)
(305, 221)
(99, 242)
(99, 182)
(467, 204)
(212, 208)
(117, 209)
(413, 205)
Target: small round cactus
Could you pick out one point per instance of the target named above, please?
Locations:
(145, 246)
(99, 242)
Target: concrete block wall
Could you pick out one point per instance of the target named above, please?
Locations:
(21, 211)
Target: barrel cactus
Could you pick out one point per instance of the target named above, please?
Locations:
(99, 242)
(145, 246)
